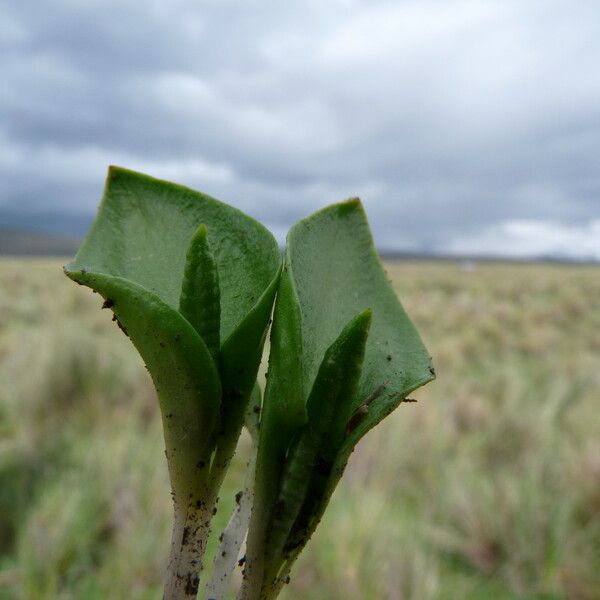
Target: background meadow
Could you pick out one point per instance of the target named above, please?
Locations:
(487, 487)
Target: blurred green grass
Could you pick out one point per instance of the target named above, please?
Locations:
(488, 487)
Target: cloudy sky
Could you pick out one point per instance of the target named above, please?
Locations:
(466, 126)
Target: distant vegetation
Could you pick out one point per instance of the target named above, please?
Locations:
(14, 242)
(488, 487)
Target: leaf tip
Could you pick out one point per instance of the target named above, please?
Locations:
(358, 328)
(113, 172)
(201, 232)
(364, 319)
(74, 273)
(368, 312)
(350, 205)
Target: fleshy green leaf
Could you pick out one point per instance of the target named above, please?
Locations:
(200, 299)
(152, 238)
(314, 449)
(338, 274)
(143, 231)
(240, 359)
(335, 273)
(395, 363)
(281, 417)
(242, 351)
(183, 371)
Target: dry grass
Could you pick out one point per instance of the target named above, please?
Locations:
(488, 487)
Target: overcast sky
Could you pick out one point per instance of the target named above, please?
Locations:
(466, 126)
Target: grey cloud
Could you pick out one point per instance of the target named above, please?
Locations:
(449, 119)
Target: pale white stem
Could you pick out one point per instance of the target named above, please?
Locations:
(232, 538)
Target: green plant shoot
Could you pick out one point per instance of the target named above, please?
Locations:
(192, 282)
(333, 376)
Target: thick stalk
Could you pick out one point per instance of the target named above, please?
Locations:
(191, 529)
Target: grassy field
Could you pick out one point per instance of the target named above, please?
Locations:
(487, 488)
